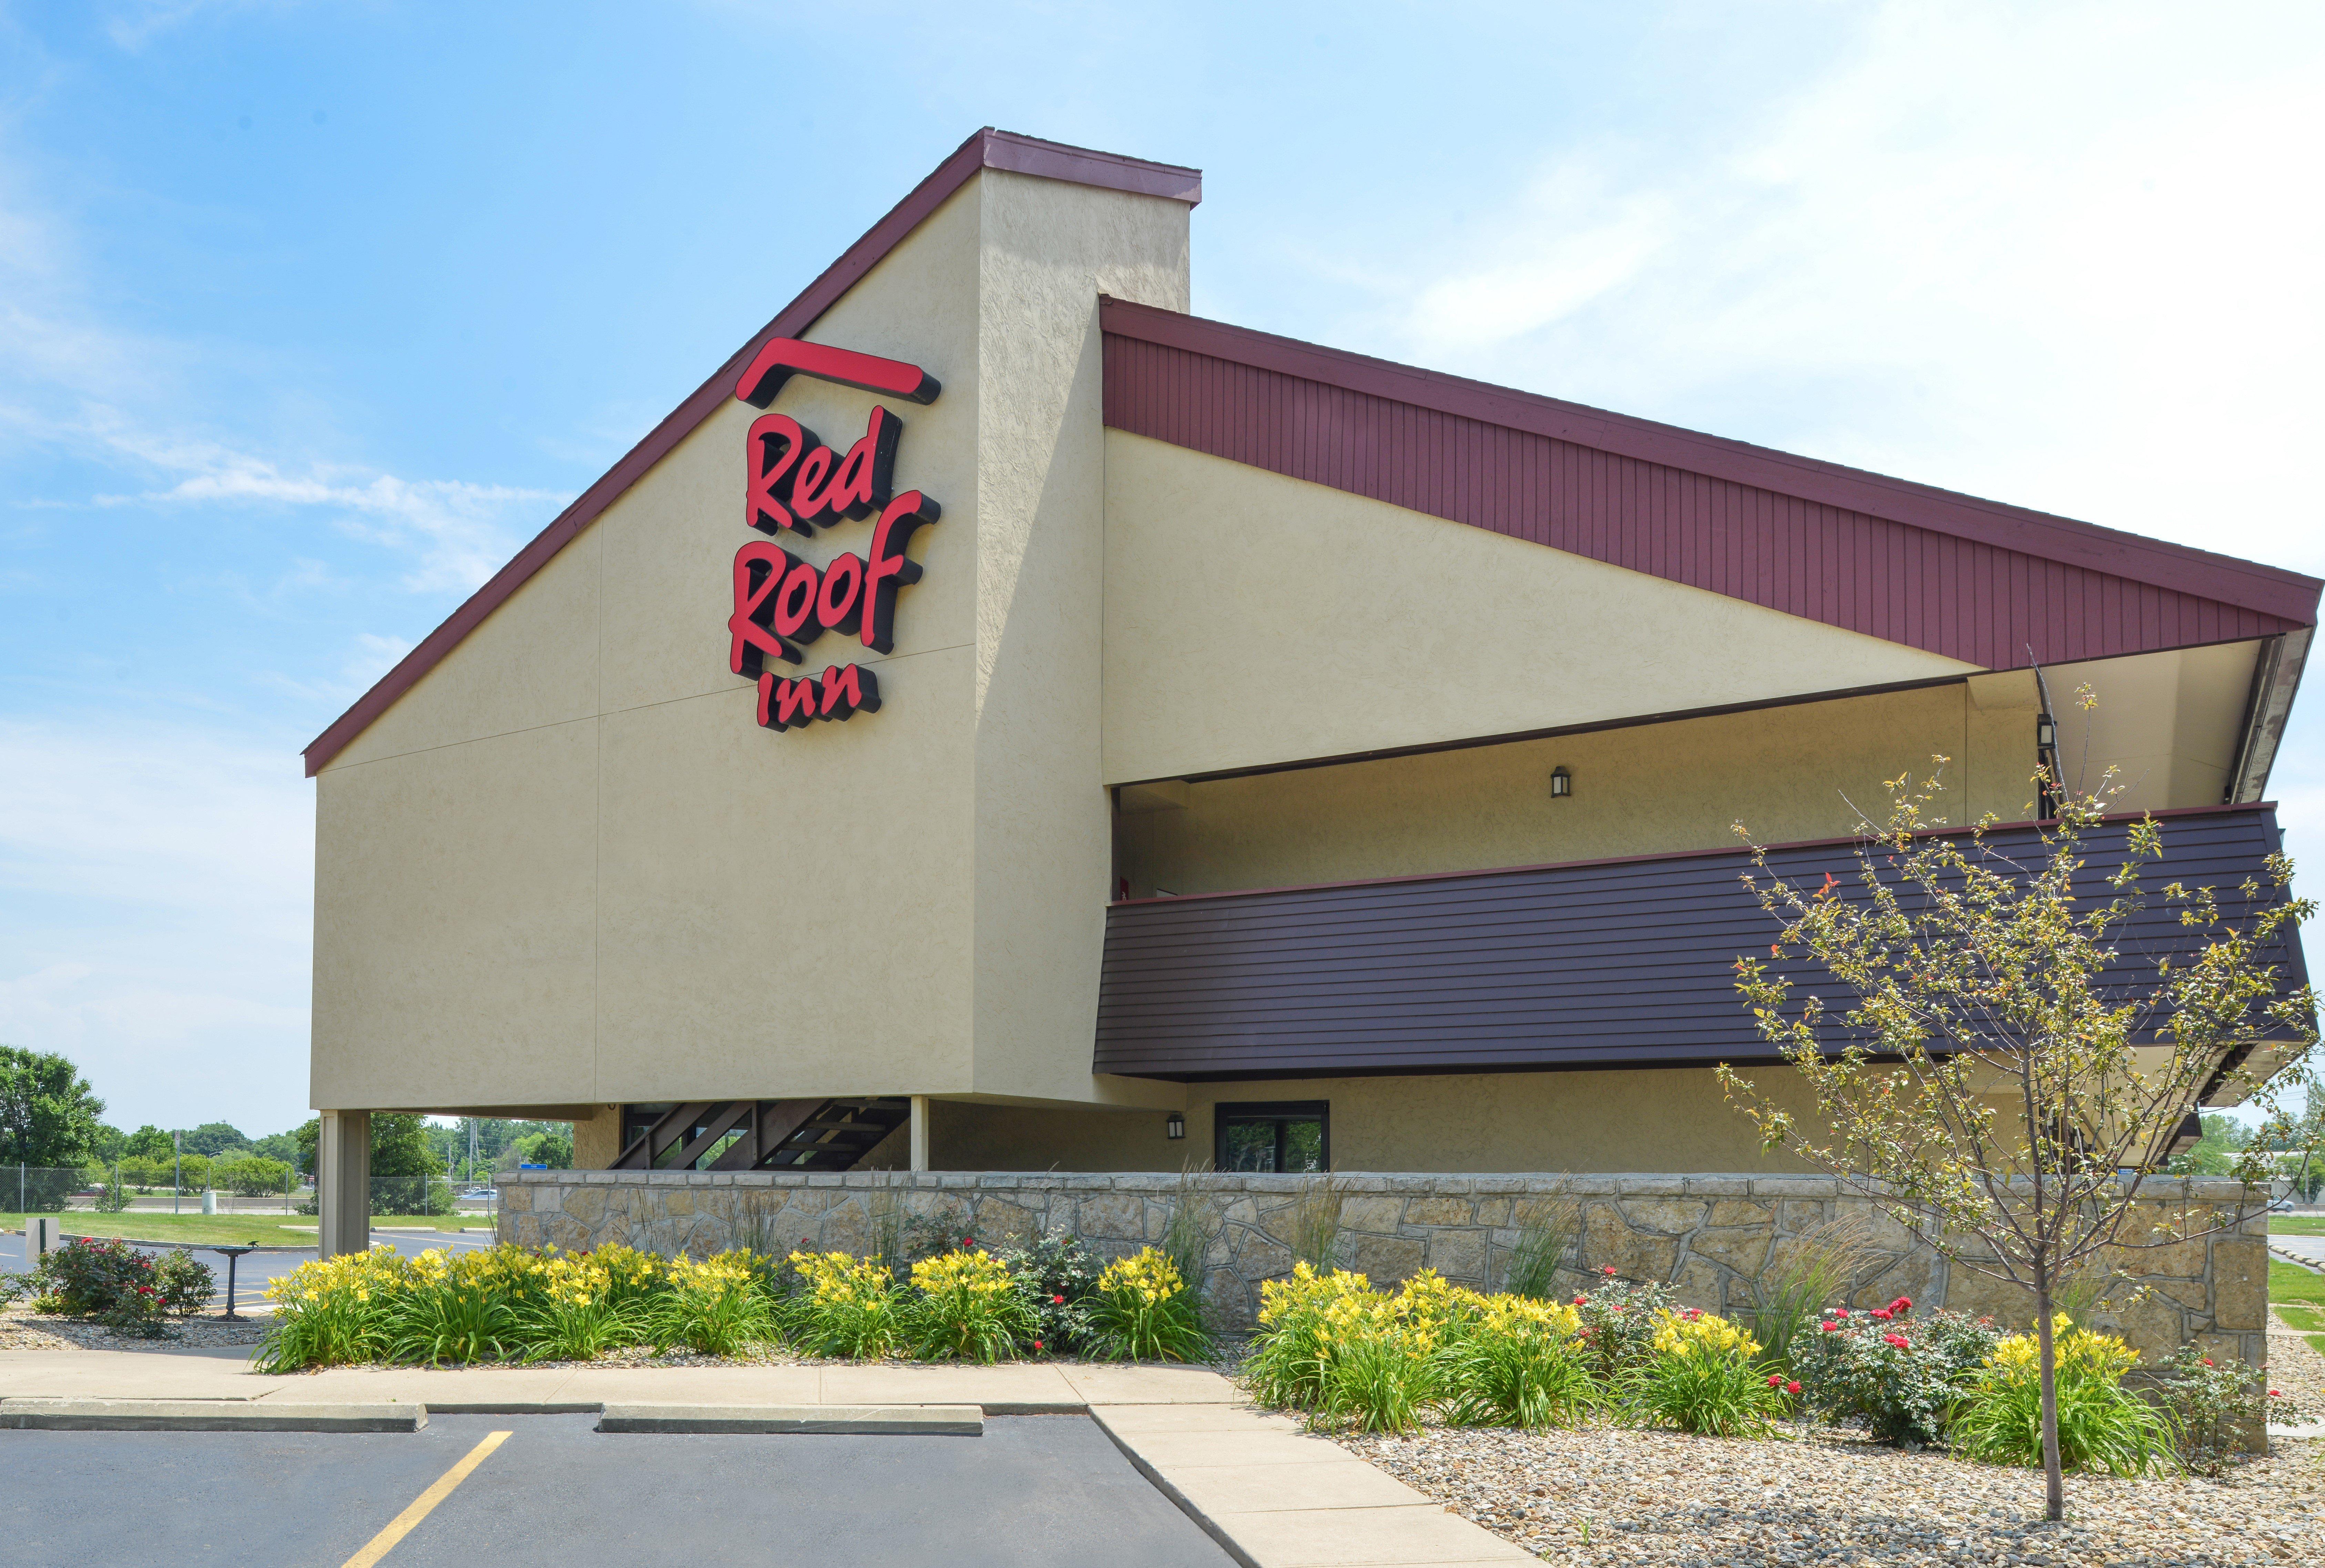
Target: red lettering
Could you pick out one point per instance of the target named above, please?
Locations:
(785, 704)
(860, 487)
(809, 499)
(759, 569)
(887, 569)
(794, 605)
(849, 689)
(770, 452)
(840, 603)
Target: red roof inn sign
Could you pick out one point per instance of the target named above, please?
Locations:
(793, 482)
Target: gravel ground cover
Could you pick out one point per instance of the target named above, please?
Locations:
(22, 1329)
(1604, 1495)
(2299, 1371)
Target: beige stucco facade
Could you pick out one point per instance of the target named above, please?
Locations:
(566, 871)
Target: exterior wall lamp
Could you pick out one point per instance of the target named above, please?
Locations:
(1176, 1127)
(1561, 783)
(2046, 733)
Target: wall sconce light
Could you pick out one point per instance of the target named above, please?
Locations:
(1561, 782)
(1176, 1127)
(2046, 733)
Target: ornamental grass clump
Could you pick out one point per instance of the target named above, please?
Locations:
(1518, 1362)
(717, 1308)
(332, 1312)
(1143, 1309)
(1703, 1375)
(587, 1304)
(845, 1306)
(968, 1309)
(1898, 1374)
(1285, 1362)
(2101, 1425)
(455, 1310)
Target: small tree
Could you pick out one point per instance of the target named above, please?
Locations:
(1992, 1091)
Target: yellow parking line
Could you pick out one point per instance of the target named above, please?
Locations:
(400, 1525)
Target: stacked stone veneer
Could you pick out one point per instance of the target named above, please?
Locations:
(1710, 1237)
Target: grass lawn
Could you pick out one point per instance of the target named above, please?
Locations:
(2296, 1225)
(265, 1230)
(2299, 1298)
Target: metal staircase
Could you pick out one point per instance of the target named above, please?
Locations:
(764, 1134)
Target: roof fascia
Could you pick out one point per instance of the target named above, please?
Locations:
(988, 149)
(2271, 590)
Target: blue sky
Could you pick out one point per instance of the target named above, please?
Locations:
(310, 313)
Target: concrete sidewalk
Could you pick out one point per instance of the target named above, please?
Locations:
(1269, 1493)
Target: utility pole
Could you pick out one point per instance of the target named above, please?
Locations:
(177, 1168)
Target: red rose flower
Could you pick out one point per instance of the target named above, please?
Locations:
(1902, 1304)
(1792, 1387)
(1832, 1328)
(1037, 1344)
(1057, 1301)
(1775, 1379)
(1883, 1314)
(1577, 1301)
(1608, 1270)
(1900, 1340)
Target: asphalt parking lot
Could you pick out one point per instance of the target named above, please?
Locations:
(1034, 1489)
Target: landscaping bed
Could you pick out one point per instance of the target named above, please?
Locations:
(1603, 1494)
(24, 1329)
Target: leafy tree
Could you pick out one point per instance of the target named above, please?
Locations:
(48, 1113)
(109, 1144)
(278, 1146)
(1975, 973)
(553, 1150)
(306, 1138)
(215, 1138)
(150, 1141)
(250, 1175)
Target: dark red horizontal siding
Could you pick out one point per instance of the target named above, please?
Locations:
(1604, 964)
(1926, 570)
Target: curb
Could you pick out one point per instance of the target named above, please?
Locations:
(204, 1415)
(919, 1420)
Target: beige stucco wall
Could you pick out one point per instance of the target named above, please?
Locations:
(566, 866)
(1253, 618)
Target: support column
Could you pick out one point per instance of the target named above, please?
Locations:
(343, 1182)
(920, 1132)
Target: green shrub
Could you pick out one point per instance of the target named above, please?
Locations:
(1618, 1319)
(2102, 1426)
(1899, 1375)
(2210, 1404)
(1143, 1309)
(332, 1312)
(186, 1284)
(1520, 1363)
(1702, 1375)
(845, 1306)
(1054, 1275)
(968, 1309)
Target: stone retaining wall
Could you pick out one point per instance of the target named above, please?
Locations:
(1710, 1237)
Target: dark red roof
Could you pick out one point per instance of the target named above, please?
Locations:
(989, 149)
(1971, 580)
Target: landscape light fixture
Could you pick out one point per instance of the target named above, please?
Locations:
(1176, 1127)
(1561, 783)
(2046, 733)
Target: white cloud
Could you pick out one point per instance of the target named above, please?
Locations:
(461, 532)
(154, 924)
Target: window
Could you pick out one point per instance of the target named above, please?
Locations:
(1285, 1134)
